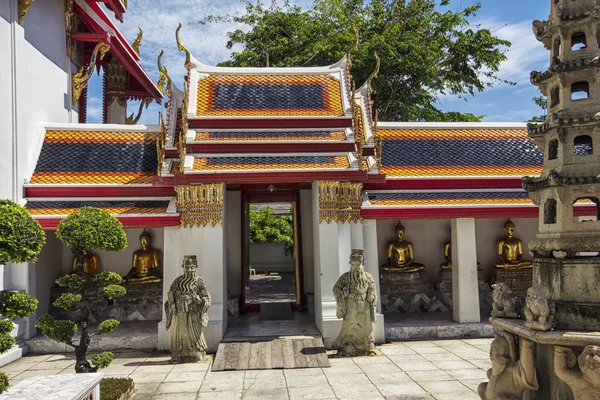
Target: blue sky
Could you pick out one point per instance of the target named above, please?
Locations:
(508, 19)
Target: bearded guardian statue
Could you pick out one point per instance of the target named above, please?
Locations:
(187, 314)
(356, 299)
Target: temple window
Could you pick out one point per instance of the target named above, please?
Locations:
(554, 96)
(582, 146)
(553, 149)
(578, 41)
(550, 211)
(580, 90)
(557, 47)
(586, 209)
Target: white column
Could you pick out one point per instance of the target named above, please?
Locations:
(372, 266)
(116, 113)
(344, 238)
(357, 236)
(465, 290)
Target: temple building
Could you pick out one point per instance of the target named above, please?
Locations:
(230, 138)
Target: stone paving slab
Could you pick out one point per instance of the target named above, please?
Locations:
(419, 370)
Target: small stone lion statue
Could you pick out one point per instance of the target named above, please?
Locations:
(539, 311)
(505, 304)
(585, 381)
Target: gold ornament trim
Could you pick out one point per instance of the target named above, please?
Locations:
(144, 104)
(163, 76)
(340, 201)
(138, 42)
(81, 78)
(23, 8)
(181, 47)
(200, 205)
(69, 22)
(378, 141)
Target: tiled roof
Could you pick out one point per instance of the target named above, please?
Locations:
(91, 157)
(239, 136)
(265, 163)
(269, 95)
(442, 198)
(113, 207)
(412, 152)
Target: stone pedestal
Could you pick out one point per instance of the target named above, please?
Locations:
(410, 292)
(444, 287)
(518, 280)
(143, 302)
(574, 286)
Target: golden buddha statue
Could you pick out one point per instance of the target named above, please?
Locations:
(510, 250)
(90, 263)
(145, 263)
(400, 254)
(447, 265)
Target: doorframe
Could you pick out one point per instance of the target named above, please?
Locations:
(279, 196)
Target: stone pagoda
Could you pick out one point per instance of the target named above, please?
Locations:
(562, 310)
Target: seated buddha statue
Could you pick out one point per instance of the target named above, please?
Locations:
(145, 263)
(90, 263)
(400, 254)
(510, 250)
(447, 265)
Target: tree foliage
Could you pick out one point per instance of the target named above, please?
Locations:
(426, 49)
(265, 227)
(86, 229)
(21, 236)
(543, 104)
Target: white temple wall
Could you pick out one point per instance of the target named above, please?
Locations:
(34, 86)
(47, 269)
(118, 261)
(308, 258)
(271, 257)
(233, 237)
(428, 238)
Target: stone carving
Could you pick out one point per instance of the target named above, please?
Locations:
(356, 298)
(400, 254)
(511, 374)
(90, 263)
(146, 262)
(539, 311)
(505, 304)
(510, 250)
(585, 382)
(187, 314)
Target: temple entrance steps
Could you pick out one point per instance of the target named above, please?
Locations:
(299, 352)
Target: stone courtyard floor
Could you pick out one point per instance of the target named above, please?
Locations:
(442, 370)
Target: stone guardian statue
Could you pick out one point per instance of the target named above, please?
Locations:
(585, 382)
(356, 299)
(539, 311)
(187, 314)
(505, 304)
(510, 374)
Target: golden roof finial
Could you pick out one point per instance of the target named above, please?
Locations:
(181, 47)
(137, 42)
(375, 73)
(267, 60)
(163, 75)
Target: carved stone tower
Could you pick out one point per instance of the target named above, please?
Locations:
(568, 191)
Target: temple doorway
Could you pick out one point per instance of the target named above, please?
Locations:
(272, 263)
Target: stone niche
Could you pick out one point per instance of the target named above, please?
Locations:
(574, 286)
(143, 302)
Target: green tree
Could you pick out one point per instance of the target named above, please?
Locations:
(543, 104)
(86, 229)
(265, 227)
(426, 49)
(21, 240)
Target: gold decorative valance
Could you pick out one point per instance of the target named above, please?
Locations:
(340, 201)
(200, 205)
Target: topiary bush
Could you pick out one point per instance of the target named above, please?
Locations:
(21, 236)
(114, 388)
(21, 240)
(86, 229)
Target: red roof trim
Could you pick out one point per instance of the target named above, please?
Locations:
(446, 183)
(122, 50)
(116, 6)
(258, 177)
(109, 191)
(250, 123)
(128, 222)
(335, 147)
(450, 212)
